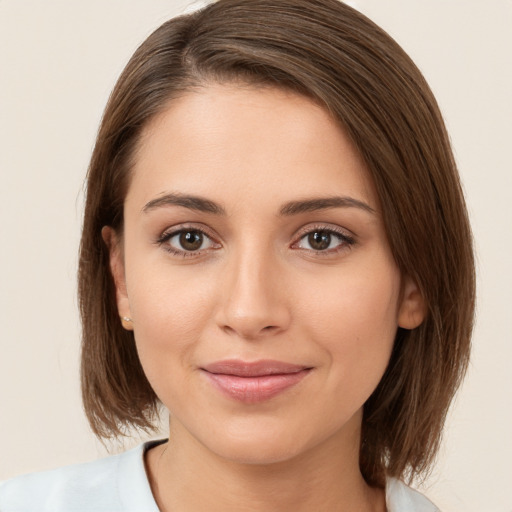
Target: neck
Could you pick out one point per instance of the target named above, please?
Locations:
(186, 476)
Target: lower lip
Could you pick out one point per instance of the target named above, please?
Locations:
(255, 389)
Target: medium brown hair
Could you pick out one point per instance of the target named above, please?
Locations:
(331, 53)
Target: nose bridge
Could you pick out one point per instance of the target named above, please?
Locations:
(253, 303)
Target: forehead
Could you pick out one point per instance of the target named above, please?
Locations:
(229, 139)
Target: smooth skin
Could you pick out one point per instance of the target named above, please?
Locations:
(253, 231)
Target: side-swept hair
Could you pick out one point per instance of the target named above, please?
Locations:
(334, 55)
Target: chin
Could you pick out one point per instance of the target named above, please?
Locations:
(256, 441)
(262, 453)
(266, 442)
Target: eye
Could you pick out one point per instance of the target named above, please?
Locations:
(324, 240)
(189, 240)
(186, 241)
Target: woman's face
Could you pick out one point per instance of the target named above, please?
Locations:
(255, 266)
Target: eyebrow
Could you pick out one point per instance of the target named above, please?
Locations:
(197, 203)
(202, 204)
(324, 203)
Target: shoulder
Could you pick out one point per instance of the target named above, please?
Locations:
(113, 484)
(401, 498)
(89, 486)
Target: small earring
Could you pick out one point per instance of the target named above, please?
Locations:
(127, 323)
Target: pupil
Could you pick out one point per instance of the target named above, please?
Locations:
(191, 240)
(319, 240)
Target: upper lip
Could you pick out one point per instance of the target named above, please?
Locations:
(253, 368)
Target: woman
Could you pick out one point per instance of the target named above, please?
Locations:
(275, 248)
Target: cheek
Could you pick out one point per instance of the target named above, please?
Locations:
(354, 321)
(357, 300)
(164, 296)
(170, 310)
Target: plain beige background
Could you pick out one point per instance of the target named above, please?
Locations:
(59, 60)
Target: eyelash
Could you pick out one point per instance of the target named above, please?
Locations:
(346, 241)
(166, 236)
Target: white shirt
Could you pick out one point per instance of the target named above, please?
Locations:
(119, 484)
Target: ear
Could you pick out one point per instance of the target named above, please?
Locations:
(116, 261)
(412, 310)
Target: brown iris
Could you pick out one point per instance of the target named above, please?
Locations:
(191, 240)
(319, 240)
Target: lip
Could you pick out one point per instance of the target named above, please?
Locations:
(253, 382)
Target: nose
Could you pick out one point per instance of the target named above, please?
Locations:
(254, 301)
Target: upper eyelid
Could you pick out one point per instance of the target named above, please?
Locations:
(173, 230)
(332, 228)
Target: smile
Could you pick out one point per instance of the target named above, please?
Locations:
(253, 382)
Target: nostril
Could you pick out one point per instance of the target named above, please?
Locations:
(250, 332)
(227, 329)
